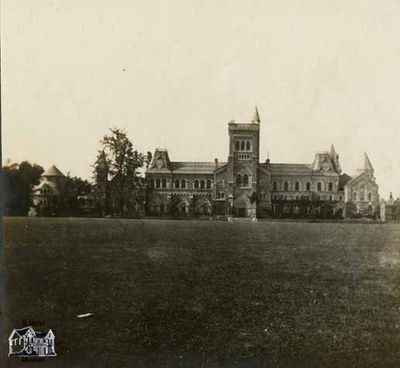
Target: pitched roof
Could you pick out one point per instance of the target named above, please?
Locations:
(367, 164)
(343, 180)
(290, 169)
(195, 167)
(256, 116)
(23, 331)
(44, 183)
(53, 171)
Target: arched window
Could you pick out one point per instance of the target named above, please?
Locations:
(245, 179)
(297, 186)
(369, 196)
(218, 195)
(275, 186)
(164, 183)
(242, 145)
(208, 184)
(237, 146)
(319, 186)
(222, 194)
(176, 183)
(183, 184)
(330, 187)
(238, 179)
(196, 184)
(158, 183)
(286, 186)
(247, 145)
(362, 191)
(308, 186)
(202, 184)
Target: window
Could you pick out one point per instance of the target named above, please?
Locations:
(330, 187)
(202, 184)
(286, 186)
(369, 196)
(152, 183)
(237, 146)
(245, 179)
(330, 198)
(308, 186)
(196, 184)
(247, 146)
(176, 183)
(275, 186)
(222, 194)
(297, 186)
(319, 186)
(158, 183)
(164, 183)
(208, 184)
(242, 145)
(238, 179)
(183, 184)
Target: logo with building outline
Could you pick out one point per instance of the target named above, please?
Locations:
(26, 342)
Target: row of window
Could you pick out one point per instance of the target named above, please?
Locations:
(361, 196)
(243, 145)
(180, 184)
(297, 186)
(304, 197)
(242, 179)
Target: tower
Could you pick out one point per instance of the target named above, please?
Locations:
(243, 159)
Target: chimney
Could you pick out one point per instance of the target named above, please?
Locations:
(216, 163)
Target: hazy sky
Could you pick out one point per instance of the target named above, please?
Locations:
(173, 73)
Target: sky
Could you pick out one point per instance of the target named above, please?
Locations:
(174, 73)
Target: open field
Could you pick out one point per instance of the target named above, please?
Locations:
(206, 294)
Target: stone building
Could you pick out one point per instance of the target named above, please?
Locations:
(245, 187)
(361, 193)
(48, 194)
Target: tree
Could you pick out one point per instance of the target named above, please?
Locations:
(17, 181)
(124, 164)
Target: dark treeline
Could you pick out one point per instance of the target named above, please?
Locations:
(18, 179)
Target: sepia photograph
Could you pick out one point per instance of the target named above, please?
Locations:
(207, 184)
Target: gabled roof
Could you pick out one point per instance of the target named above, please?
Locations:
(361, 176)
(44, 183)
(22, 331)
(53, 171)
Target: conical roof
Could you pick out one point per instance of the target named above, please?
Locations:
(53, 171)
(256, 116)
(367, 164)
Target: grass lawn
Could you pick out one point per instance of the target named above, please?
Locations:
(167, 293)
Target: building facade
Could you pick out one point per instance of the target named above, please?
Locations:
(47, 195)
(243, 186)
